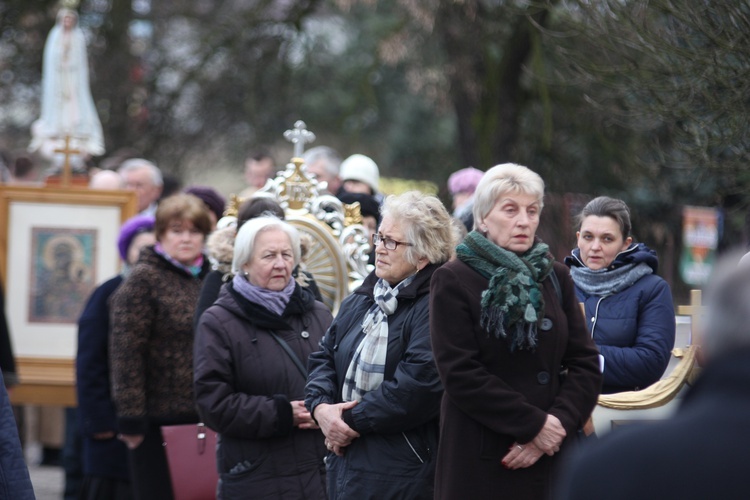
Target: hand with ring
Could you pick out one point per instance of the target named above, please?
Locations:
(338, 434)
(520, 456)
(333, 448)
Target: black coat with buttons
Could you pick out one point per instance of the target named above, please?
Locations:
(244, 382)
(494, 397)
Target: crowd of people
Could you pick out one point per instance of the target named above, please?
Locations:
(461, 367)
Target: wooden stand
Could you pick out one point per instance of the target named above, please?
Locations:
(45, 382)
(76, 180)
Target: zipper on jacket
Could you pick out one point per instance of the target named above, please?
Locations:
(596, 315)
(593, 326)
(412, 448)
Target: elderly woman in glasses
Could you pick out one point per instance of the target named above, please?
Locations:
(373, 388)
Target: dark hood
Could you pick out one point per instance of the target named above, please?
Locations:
(634, 254)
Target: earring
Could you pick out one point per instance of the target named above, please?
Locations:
(245, 274)
(483, 228)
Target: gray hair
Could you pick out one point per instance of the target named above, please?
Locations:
(604, 206)
(244, 243)
(137, 163)
(330, 157)
(426, 224)
(507, 178)
(725, 325)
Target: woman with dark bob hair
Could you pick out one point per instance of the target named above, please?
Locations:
(629, 309)
(520, 371)
(373, 388)
(151, 344)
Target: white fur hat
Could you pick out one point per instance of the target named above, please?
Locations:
(361, 168)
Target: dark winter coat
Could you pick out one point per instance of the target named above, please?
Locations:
(634, 329)
(7, 360)
(699, 453)
(96, 410)
(398, 422)
(495, 397)
(15, 483)
(244, 382)
(151, 344)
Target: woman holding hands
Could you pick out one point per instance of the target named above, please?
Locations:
(373, 388)
(520, 372)
(151, 342)
(251, 349)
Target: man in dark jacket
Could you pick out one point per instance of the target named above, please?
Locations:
(700, 452)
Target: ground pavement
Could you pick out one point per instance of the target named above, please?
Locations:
(48, 481)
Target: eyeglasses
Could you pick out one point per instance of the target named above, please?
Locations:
(388, 243)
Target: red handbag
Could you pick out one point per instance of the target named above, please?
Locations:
(191, 455)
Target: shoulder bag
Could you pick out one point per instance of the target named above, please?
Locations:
(191, 455)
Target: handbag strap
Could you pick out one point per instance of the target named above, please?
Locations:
(291, 353)
(284, 346)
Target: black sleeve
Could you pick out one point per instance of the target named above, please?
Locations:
(209, 293)
(7, 360)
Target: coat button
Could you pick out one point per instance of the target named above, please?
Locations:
(304, 335)
(546, 324)
(542, 378)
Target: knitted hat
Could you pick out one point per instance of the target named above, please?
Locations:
(213, 200)
(132, 228)
(464, 180)
(368, 205)
(361, 168)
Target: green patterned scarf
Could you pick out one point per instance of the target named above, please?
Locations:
(513, 302)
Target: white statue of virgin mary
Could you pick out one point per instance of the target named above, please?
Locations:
(67, 106)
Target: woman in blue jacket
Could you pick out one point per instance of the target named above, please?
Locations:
(629, 309)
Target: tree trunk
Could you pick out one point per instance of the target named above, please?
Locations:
(486, 78)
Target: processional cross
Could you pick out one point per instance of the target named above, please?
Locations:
(299, 136)
(68, 151)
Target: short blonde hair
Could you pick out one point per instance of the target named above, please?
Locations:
(244, 243)
(426, 224)
(507, 178)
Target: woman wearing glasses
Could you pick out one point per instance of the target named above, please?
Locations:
(373, 388)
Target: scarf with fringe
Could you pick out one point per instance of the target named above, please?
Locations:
(512, 305)
(367, 368)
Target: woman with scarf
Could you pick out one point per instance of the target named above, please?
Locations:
(151, 343)
(251, 353)
(520, 372)
(373, 388)
(629, 309)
